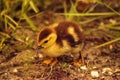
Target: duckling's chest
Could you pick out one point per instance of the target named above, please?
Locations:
(55, 50)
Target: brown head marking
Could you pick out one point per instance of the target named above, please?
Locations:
(44, 33)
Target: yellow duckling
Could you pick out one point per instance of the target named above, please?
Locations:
(60, 39)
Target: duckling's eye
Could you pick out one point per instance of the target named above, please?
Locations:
(46, 41)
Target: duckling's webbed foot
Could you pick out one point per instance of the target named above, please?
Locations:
(80, 60)
(50, 61)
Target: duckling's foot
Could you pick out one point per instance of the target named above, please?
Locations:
(79, 61)
(50, 61)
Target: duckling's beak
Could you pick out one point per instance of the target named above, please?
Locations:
(38, 50)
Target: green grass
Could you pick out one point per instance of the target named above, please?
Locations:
(108, 43)
(20, 8)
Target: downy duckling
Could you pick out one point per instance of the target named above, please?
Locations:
(60, 39)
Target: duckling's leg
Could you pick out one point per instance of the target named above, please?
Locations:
(80, 60)
(50, 61)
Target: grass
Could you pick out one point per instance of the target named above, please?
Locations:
(100, 2)
(89, 14)
(21, 8)
(17, 12)
(108, 43)
(9, 11)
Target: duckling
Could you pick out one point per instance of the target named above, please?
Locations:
(60, 39)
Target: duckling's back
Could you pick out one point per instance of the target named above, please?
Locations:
(70, 32)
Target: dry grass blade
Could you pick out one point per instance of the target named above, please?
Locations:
(89, 14)
(29, 22)
(107, 43)
(33, 6)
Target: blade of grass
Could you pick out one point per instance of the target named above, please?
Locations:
(72, 10)
(4, 34)
(5, 20)
(89, 8)
(110, 26)
(65, 9)
(112, 9)
(11, 19)
(25, 6)
(1, 43)
(33, 6)
(113, 27)
(92, 19)
(88, 14)
(107, 43)
(12, 26)
(29, 22)
(100, 2)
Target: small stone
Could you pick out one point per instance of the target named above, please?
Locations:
(117, 70)
(112, 21)
(15, 70)
(107, 71)
(94, 67)
(94, 74)
(111, 47)
(40, 55)
(83, 67)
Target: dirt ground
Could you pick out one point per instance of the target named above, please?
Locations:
(18, 60)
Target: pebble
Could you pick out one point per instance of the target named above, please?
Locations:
(94, 74)
(40, 55)
(83, 67)
(112, 21)
(107, 71)
(15, 70)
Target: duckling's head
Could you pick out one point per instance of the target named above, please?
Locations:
(46, 38)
